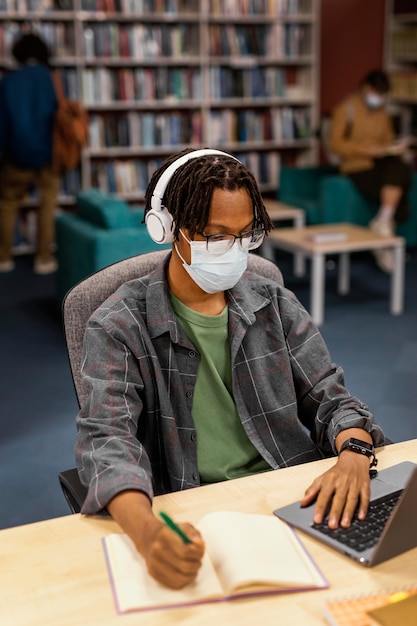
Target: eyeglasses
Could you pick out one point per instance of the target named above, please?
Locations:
(222, 242)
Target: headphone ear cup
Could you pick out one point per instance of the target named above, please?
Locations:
(160, 225)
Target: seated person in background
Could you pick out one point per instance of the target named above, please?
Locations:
(200, 372)
(362, 135)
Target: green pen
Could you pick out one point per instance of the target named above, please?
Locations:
(173, 526)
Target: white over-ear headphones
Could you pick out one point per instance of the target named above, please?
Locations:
(158, 219)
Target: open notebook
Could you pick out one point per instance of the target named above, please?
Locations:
(245, 555)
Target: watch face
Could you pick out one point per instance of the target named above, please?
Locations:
(363, 447)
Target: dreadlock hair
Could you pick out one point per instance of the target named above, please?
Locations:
(189, 192)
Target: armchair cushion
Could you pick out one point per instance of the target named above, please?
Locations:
(104, 230)
(301, 187)
(103, 210)
(342, 202)
(328, 197)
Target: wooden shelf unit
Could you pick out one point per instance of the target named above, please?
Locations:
(401, 63)
(155, 77)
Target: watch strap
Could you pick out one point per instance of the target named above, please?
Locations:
(360, 447)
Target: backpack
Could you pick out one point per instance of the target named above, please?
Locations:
(70, 132)
(325, 131)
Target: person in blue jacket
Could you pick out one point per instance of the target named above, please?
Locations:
(27, 108)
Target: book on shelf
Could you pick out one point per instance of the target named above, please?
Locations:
(364, 610)
(245, 555)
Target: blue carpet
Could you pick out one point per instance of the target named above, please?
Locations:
(378, 353)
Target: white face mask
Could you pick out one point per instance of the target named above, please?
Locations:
(212, 272)
(373, 101)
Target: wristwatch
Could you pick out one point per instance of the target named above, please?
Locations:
(360, 447)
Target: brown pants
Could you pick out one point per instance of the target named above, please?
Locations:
(14, 186)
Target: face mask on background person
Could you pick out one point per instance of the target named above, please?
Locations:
(374, 101)
(215, 272)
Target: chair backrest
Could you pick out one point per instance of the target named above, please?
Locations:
(85, 297)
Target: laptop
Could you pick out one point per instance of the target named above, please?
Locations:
(393, 506)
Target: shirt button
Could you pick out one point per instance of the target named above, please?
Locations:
(189, 394)
(191, 354)
(193, 436)
(195, 476)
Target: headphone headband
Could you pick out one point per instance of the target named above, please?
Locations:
(158, 219)
(161, 185)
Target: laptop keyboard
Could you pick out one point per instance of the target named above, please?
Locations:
(363, 534)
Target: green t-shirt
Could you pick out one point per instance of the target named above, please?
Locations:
(223, 448)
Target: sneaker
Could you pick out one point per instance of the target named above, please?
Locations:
(382, 227)
(45, 267)
(385, 260)
(7, 266)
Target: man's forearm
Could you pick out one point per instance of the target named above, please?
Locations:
(132, 510)
(357, 433)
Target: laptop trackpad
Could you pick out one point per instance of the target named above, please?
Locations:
(391, 479)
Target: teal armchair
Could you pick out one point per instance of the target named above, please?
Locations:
(328, 197)
(102, 231)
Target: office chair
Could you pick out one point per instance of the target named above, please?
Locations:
(78, 305)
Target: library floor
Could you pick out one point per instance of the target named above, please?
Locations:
(377, 351)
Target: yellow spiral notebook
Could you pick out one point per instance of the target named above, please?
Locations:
(366, 610)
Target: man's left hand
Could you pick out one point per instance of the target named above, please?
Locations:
(344, 488)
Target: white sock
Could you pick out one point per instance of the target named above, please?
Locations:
(385, 214)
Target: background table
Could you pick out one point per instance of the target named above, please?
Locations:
(352, 239)
(53, 573)
(278, 212)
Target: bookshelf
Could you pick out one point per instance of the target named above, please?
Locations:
(401, 62)
(157, 76)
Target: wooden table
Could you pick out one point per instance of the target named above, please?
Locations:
(278, 211)
(53, 573)
(341, 239)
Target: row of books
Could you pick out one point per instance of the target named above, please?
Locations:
(404, 42)
(259, 7)
(283, 124)
(140, 7)
(140, 41)
(254, 82)
(123, 177)
(150, 129)
(404, 85)
(29, 6)
(215, 7)
(150, 41)
(70, 83)
(269, 40)
(58, 35)
(145, 130)
(102, 85)
(131, 177)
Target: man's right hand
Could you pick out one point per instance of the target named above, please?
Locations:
(169, 560)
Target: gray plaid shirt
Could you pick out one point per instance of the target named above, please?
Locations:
(136, 430)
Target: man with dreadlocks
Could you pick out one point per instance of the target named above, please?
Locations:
(200, 372)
